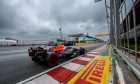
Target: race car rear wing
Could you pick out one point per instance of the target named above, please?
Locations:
(35, 51)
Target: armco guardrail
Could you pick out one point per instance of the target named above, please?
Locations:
(88, 43)
(10, 45)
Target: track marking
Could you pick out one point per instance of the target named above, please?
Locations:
(94, 52)
(81, 62)
(73, 66)
(120, 73)
(90, 55)
(44, 79)
(61, 74)
(85, 59)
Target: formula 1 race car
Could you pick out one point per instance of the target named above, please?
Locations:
(54, 55)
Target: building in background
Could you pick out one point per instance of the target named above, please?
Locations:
(83, 38)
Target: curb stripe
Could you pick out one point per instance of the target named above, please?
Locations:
(73, 66)
(82, 62)
(42, 80)
(93, 53)
(85, 59)
(69, 77)
(61, 74)
(88, 56)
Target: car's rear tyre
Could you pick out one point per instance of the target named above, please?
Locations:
(53, 59)
(29, 52)
(82, 51)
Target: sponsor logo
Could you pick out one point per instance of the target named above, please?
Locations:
(60, 51)
(95, 72)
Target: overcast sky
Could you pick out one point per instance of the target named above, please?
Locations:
(41, 19)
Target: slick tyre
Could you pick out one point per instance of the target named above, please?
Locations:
(82, 51)
(53, 59)
(30, 52)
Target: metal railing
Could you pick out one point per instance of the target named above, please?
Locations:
(129, 52)
(117, 28)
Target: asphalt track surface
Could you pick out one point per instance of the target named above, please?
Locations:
(16, 66)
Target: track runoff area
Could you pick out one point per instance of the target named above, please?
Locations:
(91, 68)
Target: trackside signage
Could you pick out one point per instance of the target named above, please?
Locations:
(96, 72)
(102, 35)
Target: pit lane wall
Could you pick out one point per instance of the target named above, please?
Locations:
(89, 43)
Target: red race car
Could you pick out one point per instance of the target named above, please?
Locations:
(54, 55)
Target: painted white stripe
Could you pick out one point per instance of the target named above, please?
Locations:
(80, 68)
(94, 52)
(44, 79)
(90, 55)
(120, 73)
(73, 66)
(85, 59)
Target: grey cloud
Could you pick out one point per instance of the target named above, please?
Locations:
(41, 19)
(7, 16)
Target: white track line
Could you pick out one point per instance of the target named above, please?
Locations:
(44, 79)
(90, 55)
(120, 73)
(73, 66)
(94, 52)
(84, 58)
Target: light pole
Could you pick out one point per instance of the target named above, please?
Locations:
(60, 33)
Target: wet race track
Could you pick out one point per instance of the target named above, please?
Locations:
(15, 65)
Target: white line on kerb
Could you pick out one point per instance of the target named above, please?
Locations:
(120, 74)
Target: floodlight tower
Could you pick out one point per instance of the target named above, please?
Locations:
(60, 33)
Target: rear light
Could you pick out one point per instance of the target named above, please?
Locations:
(35, 54)
(31, 59)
